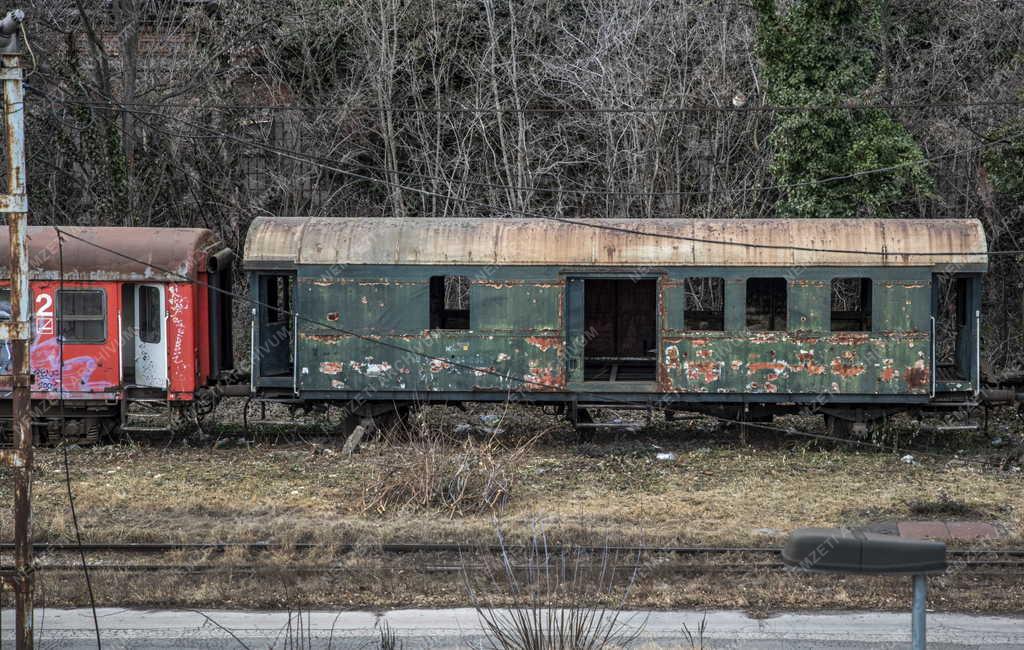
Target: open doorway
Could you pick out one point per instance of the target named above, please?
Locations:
(274, 343)
(954, 298)
(622, 316)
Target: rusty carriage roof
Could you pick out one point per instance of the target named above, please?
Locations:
(132, 254)
(945, 243)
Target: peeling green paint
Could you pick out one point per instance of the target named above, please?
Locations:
(518, 334)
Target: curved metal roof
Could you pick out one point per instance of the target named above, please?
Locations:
(158, 254)
(703, 242)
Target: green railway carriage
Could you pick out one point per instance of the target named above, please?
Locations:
(854, 316)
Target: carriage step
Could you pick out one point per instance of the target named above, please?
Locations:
(950, 428)
(152, 415)
(609, 425)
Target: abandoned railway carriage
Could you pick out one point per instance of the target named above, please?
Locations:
(124, 326)
(743, 317)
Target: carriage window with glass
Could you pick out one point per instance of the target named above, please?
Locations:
(82, 315)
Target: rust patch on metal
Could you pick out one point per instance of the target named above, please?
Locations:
(706, 371)
(888, 371)
(806, 363)
(846, 369)
(543, 343)
(850, 339)
(142, 253)
(773, 367)
(508, 284)
(672, 357)
(331, 367)
(369, 368)
(543, 379)
(916, 376)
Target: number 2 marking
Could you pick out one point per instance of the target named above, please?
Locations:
(44, 304)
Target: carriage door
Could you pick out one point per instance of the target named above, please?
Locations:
(150, 336)
(273, 344)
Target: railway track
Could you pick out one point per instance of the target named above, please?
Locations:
(438, 558)
(399, 548)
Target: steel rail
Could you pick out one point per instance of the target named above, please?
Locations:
(1000, 568)
(404, 548)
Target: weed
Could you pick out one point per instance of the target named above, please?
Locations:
(457, 477)
(387, 639)
(696, 638)
(556, 602)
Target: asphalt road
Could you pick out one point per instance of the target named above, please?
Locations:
(459, 628)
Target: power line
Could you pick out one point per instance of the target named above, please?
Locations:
(326, 164)
(754, 245)
(63, 425)
(697, 108)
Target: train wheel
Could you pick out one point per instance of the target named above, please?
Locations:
(838, 427)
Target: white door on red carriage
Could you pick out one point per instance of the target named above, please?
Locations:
(150, 336)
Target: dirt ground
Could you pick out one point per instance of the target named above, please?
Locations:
(430, 484)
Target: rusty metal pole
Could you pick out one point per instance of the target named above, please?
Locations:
(18, 329)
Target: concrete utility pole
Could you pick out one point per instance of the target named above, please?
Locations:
(18, 329)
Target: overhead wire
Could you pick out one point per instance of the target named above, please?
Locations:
(58, 328)
(695, 108)
(1006, 139)
(314, 160)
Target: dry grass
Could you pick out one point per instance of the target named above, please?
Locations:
(612, 492)
(453, 477)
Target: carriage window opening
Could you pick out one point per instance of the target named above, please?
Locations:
(82, 315)
(449, 302)
(766, 304)
(851, 305)
(704, 308)
(950, 324)
(277, 296)
(275, 347)
(5, 305)
(149, 314)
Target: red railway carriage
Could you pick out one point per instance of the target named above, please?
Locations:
(125, 327)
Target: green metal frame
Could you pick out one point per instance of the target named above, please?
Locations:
(523, 321)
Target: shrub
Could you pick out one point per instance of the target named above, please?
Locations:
(461, 477)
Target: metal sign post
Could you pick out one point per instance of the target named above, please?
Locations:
(18, 329)
(842, 550)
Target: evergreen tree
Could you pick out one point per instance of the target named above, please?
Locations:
(821, 53)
